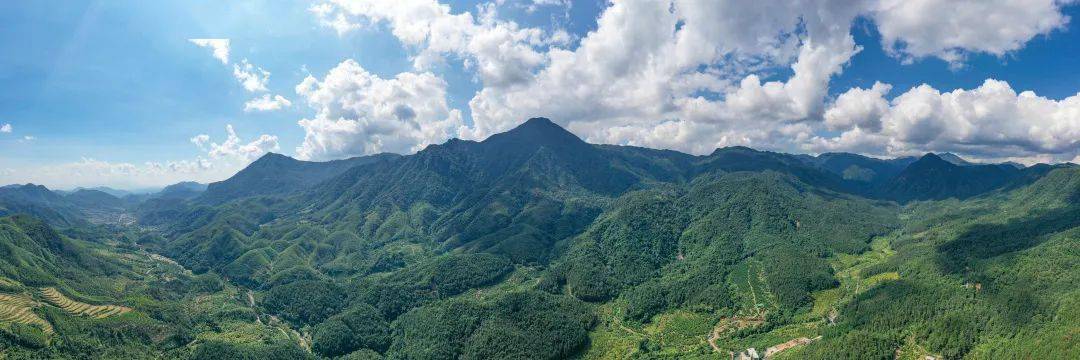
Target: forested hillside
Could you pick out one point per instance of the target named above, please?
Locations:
(533, 244)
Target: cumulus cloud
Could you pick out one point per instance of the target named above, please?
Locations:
(359, 113)
(251, 77)
(694, 67)
(990, 121)
(859, 107)
(696, 75)
(266, 103)
(220, 47)
(235, 149)
(6, 128)
(502, 52)
(949, 29)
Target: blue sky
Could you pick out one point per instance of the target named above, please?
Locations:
(113, 92)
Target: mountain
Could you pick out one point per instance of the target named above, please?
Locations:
(30, 193)
(276, 174)
(39, 201)
(954, 159)
(957, 160)
(1014, 164)
(533, 243)
(858, 168)
(182, 190)
(518, 193)
(108, 190)
(741, 158)
(932, 177)
(35, 254)
(512, 194)
(97, 199)
(76, 208)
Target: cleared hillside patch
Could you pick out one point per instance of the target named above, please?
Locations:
(19, 309)
(56, 298)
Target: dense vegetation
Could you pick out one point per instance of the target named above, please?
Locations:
(533, 244)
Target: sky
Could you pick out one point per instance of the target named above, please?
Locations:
(139, 94)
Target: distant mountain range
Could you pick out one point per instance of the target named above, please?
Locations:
(538, 150)
(86, 205)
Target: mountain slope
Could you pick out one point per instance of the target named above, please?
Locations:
(35, 254)
(105, 189)
(275, 174)
(40, 202)
(181, 190)
(94, 199)
(522, 194)
(954, 159)
(931, 177)
(858, 168)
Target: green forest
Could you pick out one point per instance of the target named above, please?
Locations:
(534, 244)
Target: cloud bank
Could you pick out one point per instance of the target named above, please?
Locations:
(696, 75)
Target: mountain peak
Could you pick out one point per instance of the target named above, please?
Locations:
(539, 125)
(34, 187)
(273, 156)
(539, 121)
(537, 131)
(931, 157)
(272, 160)
(954, 159)
(732, 149)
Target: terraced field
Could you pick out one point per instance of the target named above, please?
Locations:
(8, 282)
(19, 308)
(73, 307)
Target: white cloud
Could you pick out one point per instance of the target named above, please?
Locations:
(500, 51)
(251, 77)
(201, 141)
(990, 121)
(359, 113)
(236, 149)
(220, 47)
(696, 75)
(329, 17)
(266, 103)
(6, 128)
(29, 138)
(695, 66)
(215, 162)
(693, 69)
(859, 107)
(949, 29)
